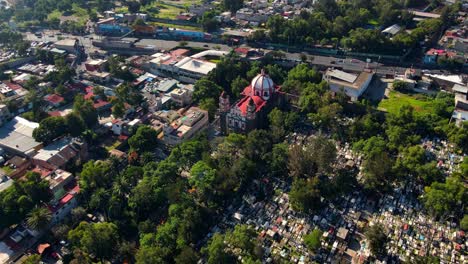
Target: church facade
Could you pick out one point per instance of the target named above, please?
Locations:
(251, 111)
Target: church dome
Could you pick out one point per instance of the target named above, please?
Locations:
(263, 86)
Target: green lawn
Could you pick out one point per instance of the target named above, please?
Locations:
(7, 170)
(396, 100)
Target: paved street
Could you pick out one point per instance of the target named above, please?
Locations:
(347, 64)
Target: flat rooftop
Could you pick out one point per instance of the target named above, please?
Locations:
(17, 134)
(195, 65)
(348, 80)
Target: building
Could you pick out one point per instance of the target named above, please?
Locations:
(62, 207)
(16, 137)
(187, 69)
(460, 113)
(70, 45)
(58, 179)
(351, 84)
(192, 122)
(250, 112)
(54, 100)
(59, 153)
(96, 65)
(392, 30)
(5, 182)
(181, 96)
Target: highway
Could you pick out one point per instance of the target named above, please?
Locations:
(347, 64)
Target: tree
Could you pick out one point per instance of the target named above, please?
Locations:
(86, 110)
(400, 86)
(209, 104)
(118, 109)
(94, 175)
(377, 170)
(281, 123)
(39, 218)
(75, 124)
(242, 238)
(232, 5)
(204, 89)
(238, 85)
(377, 239)
(313, 239)
(99, 239)
(33, 259)
(278, 162)
(186, 256)
(145, 139)
(305, 195)
(50, 128)
(444, 198)
(216, 251)
(464, 223)
(202, 178)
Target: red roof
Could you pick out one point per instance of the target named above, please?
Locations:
(180, 52)
(42, 171)
(54, 113)
(42, 247)
(244, 102)
(242, 50)
(54, 98)
(13, 86)
(89, 92)
(66, 199)
(100, 103)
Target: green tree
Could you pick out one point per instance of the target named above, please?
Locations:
(281, 123)
(86, 110)
(232, 5)
(39, 218)
(464, 223)
(99, 239)
(216, 251)
(209, 104)
(377, 239)
(118, 109)
(444, 198)
(75, 124)
(145, 139)
(278, 162)
(33, 259)
(50, 128)
(202, 178)
(94, 175)
(238, 85)
(204, 89)
(305, 195)
(313, 240)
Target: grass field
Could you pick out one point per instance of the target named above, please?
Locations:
(396, 100)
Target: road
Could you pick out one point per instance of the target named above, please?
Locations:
(347, 64)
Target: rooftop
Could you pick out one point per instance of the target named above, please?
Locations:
(17, 134)
(346, 79)
(66, 42)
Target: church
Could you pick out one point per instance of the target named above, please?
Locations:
(251, 111)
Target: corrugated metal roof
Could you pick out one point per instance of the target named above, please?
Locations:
(344, 76)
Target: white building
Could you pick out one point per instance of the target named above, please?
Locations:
(353, 85)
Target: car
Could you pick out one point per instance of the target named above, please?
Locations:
(206, 45)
